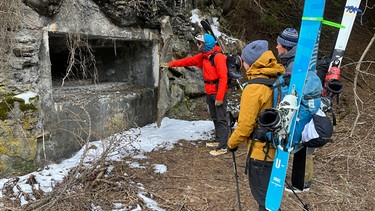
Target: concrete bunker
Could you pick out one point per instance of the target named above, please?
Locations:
(117, 89)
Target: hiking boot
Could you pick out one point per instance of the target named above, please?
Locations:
(296, 190)
(213, 144)
(218, 152)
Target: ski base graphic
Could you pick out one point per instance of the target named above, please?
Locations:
(277, 179)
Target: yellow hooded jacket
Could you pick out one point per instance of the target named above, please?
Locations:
(254, 99)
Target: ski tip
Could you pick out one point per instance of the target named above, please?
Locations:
(207, 27)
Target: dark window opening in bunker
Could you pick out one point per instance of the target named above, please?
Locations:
(100, 60)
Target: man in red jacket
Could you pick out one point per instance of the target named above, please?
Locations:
(215, 79)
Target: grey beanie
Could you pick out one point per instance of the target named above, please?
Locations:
(254, 50)
(288, 38)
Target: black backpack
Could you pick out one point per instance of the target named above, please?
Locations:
(323, 128)
(234, 64)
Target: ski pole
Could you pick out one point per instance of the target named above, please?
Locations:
(236, 177)
(305, 206)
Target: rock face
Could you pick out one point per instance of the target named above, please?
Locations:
(93, 70)
(46, 8)
(136, 13)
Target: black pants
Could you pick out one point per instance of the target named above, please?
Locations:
(259, 176)
(219, 117)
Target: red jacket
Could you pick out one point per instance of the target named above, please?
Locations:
(215, 77)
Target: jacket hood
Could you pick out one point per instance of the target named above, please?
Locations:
(265, 67)
(207, 54)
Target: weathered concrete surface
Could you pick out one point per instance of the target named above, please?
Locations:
(95, 112)
(60, 119)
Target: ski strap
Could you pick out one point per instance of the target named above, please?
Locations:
(329, 23)
(249, 153)
(256, 137)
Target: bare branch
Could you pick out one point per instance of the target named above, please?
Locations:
(356, 97)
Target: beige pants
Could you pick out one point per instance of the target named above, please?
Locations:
(309, 169)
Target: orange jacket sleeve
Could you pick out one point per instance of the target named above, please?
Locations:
(195, 60)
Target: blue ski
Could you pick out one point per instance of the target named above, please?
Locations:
(305, 60)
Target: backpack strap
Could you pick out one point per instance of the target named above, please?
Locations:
(326, 106)
(254, 135)
(265, 81)
(250, 151)
(212, 56)
(286, 81)
(269, 82)
(333, 116)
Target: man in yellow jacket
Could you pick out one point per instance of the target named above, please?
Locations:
(259, 62)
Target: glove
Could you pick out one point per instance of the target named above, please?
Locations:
(164, 65)
(234, 149)
(218, 103)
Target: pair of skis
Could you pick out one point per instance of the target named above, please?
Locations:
(305, 60)
(349, 16)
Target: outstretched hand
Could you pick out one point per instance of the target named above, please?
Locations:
(164, 65)
(218, 103)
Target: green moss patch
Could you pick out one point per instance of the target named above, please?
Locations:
(8, 104)
(4, 109)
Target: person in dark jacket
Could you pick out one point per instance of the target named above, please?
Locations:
(286, 48)
(215, 79)
(259, 62)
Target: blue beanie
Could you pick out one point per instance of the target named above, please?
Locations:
(288, 38)
(254, 50)
(209, 42)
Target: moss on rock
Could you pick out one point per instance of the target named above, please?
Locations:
(4, 109)
(8, 104)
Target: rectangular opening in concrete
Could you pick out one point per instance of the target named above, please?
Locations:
(98, 60)
(117, 90)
